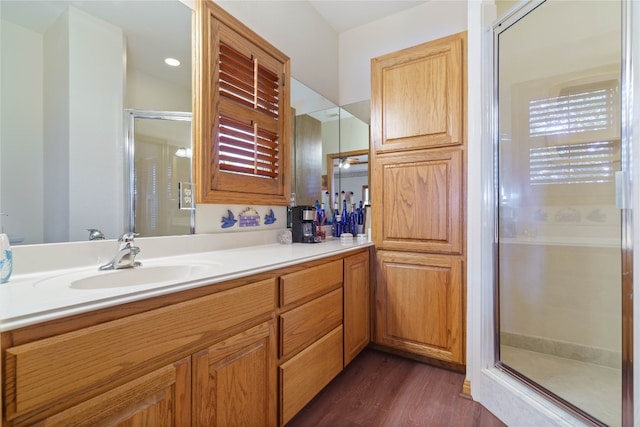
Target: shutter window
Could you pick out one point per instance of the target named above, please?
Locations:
(245, 148)
(586, 163)
(575, 135)
(244, 80)
(242, 117)
(584, 110)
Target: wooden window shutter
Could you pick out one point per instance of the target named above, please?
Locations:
(242, 109)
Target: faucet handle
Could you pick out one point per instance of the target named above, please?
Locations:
(127, 237)
(95, 234)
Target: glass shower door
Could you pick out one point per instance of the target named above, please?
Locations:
(559, 229)
(159, 160)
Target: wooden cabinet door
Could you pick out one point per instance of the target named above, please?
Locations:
(417, 96)
(419, 304)
(418, 201)
(161, 398)
(357, 296)
(235, 380)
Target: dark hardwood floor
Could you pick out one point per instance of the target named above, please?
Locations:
(380, 389)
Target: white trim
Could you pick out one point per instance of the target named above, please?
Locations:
(633, 37)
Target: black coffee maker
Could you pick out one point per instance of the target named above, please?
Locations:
(303, 224)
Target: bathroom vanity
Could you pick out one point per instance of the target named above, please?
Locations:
(251, 345)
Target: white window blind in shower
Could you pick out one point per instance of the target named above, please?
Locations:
(588, 108)
(576, 135)
(586, 163)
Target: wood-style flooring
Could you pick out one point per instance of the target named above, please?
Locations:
(380, 389)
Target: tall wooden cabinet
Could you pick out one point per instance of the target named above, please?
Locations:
(418, 161)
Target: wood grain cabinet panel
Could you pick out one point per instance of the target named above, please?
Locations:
(416, 96)
(234, 381)
(419, 300)
(357, 297)
(234, 66)
(302, 286)
(161, 398)
(418, 201)
(308, 372)
(305, 324)
(69, 368)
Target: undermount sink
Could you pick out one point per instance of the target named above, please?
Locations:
(138, 276)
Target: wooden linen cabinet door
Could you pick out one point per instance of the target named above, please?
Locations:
(417, 96)
(235, 380)
(417, 203)
(419, 304)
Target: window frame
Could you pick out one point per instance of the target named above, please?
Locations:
(213, 184)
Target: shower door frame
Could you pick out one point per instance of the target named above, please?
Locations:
(630, 157)
(130, 117)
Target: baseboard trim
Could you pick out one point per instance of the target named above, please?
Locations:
(595, 355)
(420, 358)
(466, 387)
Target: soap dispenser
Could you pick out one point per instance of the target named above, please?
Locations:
(6, 256)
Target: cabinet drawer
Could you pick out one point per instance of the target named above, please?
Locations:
(308, 372)
(314, 281)
(303, 325)
(66, 369)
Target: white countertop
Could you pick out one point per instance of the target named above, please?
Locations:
(33, 298)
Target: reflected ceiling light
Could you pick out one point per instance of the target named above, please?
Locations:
(172, 62)
(183, 152)
(344, 164)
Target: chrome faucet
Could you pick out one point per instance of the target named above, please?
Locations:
(126, 254)
(95, 234)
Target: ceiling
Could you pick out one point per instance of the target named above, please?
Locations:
(348, 14)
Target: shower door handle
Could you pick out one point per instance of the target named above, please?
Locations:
(621, 190)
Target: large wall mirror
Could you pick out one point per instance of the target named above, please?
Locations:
(331, 149)
(71, 73)
(70, 69)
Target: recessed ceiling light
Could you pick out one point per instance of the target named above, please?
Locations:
(172, 61)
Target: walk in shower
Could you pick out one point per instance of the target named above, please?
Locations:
(560, 190)
(159, 173)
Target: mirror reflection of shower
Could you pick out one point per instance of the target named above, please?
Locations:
(159, 150)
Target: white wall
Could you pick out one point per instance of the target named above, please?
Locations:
(297, 30)
(146, 92)
(56, 131)
(420, 24)
(21, 127)
(96, 140)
